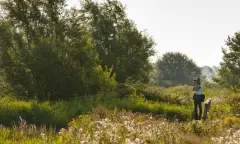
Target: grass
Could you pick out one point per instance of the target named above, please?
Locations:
(180, 95)
(120, 126)
(173, 107)
(59, 113)
(45, 113)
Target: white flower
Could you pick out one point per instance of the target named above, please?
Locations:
(43, 136)
(137, 140)
(127, 140)
(80, 129)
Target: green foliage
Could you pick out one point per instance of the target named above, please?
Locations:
(180, 95)
(230, 67)
(231, 121)
(176, 69)
(203, 128)
(119, 43)
(219, 110)
(209, 72)
(124, 90)
(60, 113)
(5, 87)
(154, 75)
(50, 114)
(47, 52)
(119, 126)
(234, 102)
(139, 104)
(151, 93)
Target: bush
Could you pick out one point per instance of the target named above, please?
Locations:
(181, 95)
(152, 93)
(234, 102)
(219, 110)
(61, 112)
(10, 110)
(139, 104)
(124, 90)
(230, 121)
(50, 114)
(58, 114)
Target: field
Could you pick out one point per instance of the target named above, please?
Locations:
(85, 74)
(132, 114)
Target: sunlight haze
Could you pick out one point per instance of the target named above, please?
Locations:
(193, 27)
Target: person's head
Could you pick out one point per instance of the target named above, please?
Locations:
(198, 80)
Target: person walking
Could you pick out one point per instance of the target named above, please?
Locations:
(198, 98)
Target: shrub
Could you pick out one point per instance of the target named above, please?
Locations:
(234, 102)
(181, 95)
(230, 121)
(151, 92)
(124, 90)
(219, 110)
(138, 104)
(50, 114)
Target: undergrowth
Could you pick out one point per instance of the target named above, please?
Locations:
(173, 106)
(59, 113)
(120, 126)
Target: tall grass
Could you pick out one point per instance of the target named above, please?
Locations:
(61, 112)
(40, 113)
(120, 126)
(150, 107)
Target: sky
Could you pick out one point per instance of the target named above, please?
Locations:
(197, 28)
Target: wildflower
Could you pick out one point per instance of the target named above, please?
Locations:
(43, 136)
(137, 140)
(84, 142)
(62, 131)
(127, 140)
(80, 129)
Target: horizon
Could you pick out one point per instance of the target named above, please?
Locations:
(198, 29)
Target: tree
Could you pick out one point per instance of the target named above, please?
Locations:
(47, 51)
(176, 68)
(207, 73)
(119, 43)
(154, 75)
(229, 72)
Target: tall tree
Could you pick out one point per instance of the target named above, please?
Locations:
(119, 43)
(207, 73)
(230, 67)
(176, 68)
(47, 51)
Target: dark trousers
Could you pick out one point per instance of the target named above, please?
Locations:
(197, 108)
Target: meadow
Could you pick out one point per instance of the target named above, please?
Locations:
(83, 75)
(131, 114)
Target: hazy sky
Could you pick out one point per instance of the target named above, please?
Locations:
(197, 28)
